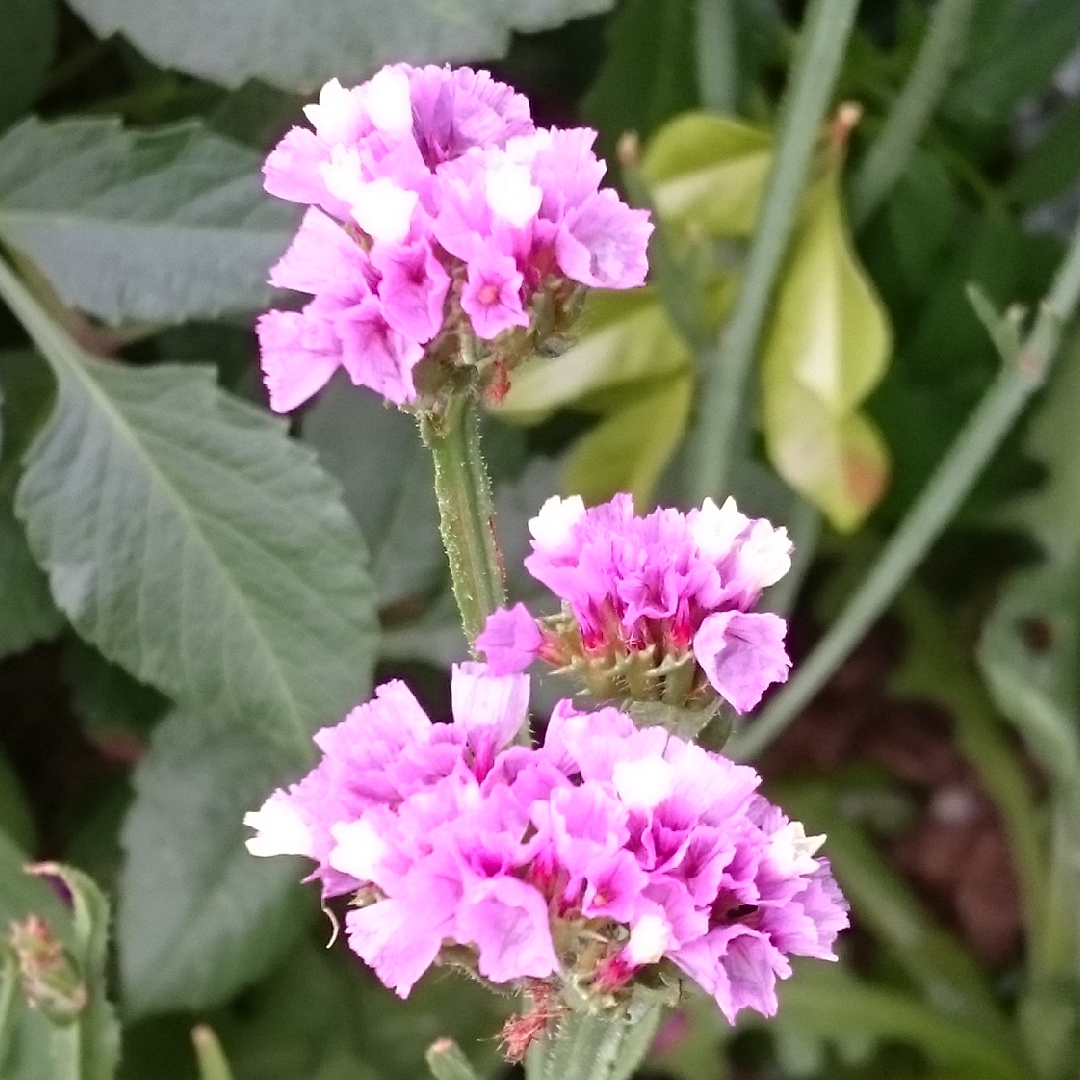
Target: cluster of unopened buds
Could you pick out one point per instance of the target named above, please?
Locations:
(447, 238)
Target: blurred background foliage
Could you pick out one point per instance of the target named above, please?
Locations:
(189, 587)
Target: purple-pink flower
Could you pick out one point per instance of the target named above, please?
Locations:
(435, 203)
(606, 851)
(666, 589)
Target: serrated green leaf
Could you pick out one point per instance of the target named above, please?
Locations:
(27, 45)
(376, 454)
(629, 449)
(300, 46)
(199, 917)
(623, 338)
(709, 169)
(826, 346)
(160, 225)
(193, 543)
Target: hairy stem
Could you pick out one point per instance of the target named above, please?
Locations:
(940, 54)
(714, 439)
(466, 513)
(1021, 375)
(587, 1046)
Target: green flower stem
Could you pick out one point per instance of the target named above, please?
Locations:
(714, 438)
(717, 55)
(587, 1046)
(208, 1053)
(466, 513)
(940, 54)
(447, 1062)
(1024, 371)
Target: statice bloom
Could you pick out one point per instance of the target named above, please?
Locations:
(655, 607)
(605, 855)
(436, 207)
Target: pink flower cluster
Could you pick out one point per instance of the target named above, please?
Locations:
(665, 585)
(603, 852)
(431, 193)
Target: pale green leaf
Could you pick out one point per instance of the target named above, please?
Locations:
(160, 225)
(630, 447)
(825, 348)
(709, 169)
(299, 46)
(199, 917)
(195, 544)
(623, 338)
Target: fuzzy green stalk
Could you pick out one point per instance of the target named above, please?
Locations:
(466, 512)
(717, 55)
(593, 1046)
(1025, 368)
(714, 439)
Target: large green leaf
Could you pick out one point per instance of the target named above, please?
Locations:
(27, 44)
(193, 543)
(300, 45)
(160, 225)
(826, 346)
(376, 453)
(199, 917)
(710, 170)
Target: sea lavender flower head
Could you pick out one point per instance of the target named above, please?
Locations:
(655, 609)
(447, 238)
(606, 860)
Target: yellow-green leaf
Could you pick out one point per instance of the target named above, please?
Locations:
(826, 346)
(629, 448)
(625, 338)
(710, 169)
